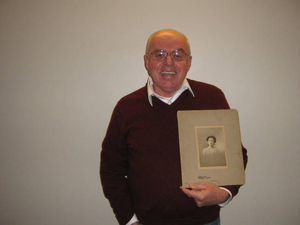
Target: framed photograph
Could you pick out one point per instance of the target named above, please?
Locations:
(210, 147)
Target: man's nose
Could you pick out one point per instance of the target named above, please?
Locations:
(169, 60)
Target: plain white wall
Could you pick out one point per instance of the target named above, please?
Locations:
(64, 65)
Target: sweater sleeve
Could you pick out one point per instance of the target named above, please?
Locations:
(234, 189)
(113, 169)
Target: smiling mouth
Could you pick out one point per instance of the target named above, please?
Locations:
(168, 73)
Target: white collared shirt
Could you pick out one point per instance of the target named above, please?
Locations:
(170, 100)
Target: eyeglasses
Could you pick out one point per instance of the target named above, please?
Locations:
(161, 55)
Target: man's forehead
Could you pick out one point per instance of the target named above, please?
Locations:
(168, 35)
(168, 40)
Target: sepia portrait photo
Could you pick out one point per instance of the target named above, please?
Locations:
(211, 147)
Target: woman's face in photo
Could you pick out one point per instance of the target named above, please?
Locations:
(211, 142)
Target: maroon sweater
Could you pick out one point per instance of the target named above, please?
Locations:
(140, 162)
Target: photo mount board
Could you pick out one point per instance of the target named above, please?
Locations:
(220, 163)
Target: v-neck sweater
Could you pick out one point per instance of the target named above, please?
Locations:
(140, 160)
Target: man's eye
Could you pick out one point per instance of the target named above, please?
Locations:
(160, 55)
(177, 56)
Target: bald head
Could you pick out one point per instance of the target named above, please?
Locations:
(168, 73)
(164, 32)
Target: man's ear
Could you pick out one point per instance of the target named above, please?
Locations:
(189, 62)
(146, 61)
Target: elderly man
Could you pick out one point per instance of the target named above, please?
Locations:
(140, 162)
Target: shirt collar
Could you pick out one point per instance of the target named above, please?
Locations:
(170, 100)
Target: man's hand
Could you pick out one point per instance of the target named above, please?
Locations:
(206, 194)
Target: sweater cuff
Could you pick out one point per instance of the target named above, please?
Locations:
(228, 199)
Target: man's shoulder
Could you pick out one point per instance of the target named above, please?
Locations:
(208, 96)
(202, 86)
(135, 96)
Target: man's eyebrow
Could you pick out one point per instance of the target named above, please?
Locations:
(162, 50)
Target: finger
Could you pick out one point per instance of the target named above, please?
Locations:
(199, 203)
(198, 186)
(190, 193)
(186, 191)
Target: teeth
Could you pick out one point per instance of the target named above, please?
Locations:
(168, 73)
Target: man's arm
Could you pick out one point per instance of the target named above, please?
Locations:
(113, 169)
